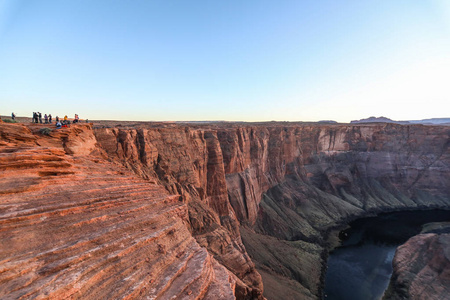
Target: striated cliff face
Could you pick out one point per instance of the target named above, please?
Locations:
(294, 183)
(297, 183)
(189, 162)
(74, 225)
(335, 159)
(278, 189)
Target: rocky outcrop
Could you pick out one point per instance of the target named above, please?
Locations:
(422, 268)
(74, 225)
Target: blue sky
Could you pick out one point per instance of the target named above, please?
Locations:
(226, 60)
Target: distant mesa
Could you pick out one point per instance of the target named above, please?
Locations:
(374, 120)
(433, 121)
(327, 122)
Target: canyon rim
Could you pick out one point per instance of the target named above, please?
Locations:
(209, 210)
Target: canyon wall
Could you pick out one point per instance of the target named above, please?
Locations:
(188, 162)
(297, 183)
(338, 160)
(280, 189)
(75, 226)
(287, 185)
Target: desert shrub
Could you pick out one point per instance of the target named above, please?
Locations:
(45, 131)
(9, 121)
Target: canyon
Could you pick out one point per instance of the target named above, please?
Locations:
(203, 210)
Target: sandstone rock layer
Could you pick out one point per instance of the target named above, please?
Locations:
(422, 268)
(189, 162)
(75, 226)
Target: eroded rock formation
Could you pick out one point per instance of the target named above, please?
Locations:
(294, 183)
(188, 162)
(297, 183)
(279, 188)
(74, 225)
(422, 268)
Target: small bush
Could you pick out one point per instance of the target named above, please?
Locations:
(45, 131)
(9, 121)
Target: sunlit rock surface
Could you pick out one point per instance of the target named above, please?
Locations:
(73, 225)
(188, 161)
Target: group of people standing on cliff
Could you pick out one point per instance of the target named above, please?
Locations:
(47, 119)
(37, 118)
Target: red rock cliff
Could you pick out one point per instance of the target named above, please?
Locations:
(281, 187)
(413, 158)
(75, 226)
(189, 162)
(422, 268)
(296, 183)
(292, 182)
